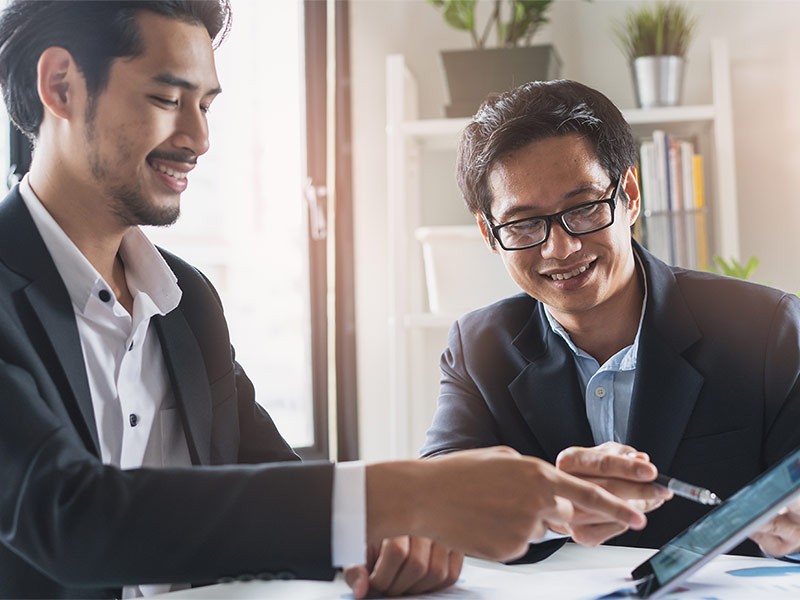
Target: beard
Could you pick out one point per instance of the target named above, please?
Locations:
(133, 208)
(128, 202)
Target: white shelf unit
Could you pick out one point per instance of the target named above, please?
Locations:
(413, 379)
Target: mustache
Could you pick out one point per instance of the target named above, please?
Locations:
(184, 157)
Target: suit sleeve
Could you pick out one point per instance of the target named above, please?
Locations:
(782, 381)
(85, 524)
(258, 438)
(462, 419)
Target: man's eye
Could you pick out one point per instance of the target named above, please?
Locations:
(526, 226)
(165, 101)
(585, 211)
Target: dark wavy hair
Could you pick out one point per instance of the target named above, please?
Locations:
(95, 32)
(534, 111)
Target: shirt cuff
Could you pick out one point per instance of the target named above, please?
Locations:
(349, 522)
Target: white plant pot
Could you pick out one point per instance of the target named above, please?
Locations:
(658, 80)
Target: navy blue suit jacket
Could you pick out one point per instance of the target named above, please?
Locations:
(73, 527)
(716, 398)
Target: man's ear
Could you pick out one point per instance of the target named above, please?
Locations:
(57, 81)
(631, 186)
(486, 233)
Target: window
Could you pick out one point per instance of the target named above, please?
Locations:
(243, 215)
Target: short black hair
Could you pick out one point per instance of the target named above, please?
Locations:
(534, 111)
(94, 32)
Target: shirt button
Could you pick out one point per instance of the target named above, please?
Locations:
(104, 295)
(133, 419)
(600, 392)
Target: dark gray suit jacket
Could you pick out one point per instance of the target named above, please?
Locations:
(716, 398)
(73, 527)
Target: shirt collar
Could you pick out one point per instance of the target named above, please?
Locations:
(627, 359)
(146, 271)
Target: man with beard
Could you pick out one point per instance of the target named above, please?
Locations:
(131, 446)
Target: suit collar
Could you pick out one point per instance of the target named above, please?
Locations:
(667, 385)
(546, 391)
(187, 373)
(23, 251)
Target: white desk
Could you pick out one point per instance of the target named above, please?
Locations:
(595, 572)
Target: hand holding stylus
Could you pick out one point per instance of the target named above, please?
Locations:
(620, 469)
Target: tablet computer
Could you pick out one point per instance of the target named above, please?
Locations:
(720, 530)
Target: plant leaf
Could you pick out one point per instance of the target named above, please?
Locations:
(460, 14)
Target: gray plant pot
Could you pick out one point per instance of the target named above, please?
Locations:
(658, 80)
(474, 74)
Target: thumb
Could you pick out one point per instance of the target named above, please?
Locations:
(358, 580)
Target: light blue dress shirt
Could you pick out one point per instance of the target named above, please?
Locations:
(608, 387)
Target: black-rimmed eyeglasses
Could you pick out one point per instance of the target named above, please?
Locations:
(576, 221)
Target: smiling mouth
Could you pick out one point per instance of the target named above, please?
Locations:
(569, 274)
(161, 168)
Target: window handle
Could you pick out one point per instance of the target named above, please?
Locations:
(316, 198)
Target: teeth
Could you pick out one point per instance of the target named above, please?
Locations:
(170, 172)
(570, 275)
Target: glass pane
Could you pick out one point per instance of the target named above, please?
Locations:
(243, 217)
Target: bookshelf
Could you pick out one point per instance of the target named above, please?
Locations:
(417, 335)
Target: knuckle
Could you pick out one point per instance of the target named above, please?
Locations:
(605, 464)
(416, 567)
(391, 549)
(505, 450)
(451, 578)
(568, 457)
(438, 574)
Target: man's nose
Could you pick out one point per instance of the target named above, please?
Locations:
(559, 245)
(192, 131)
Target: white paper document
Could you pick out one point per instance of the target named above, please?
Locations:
(726, 578)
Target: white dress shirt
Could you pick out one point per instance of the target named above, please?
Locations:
(135, 412)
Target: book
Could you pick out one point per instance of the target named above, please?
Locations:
(701, 233)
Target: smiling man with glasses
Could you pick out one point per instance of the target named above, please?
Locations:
(610, 360)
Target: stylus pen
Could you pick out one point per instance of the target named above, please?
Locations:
(687, 490)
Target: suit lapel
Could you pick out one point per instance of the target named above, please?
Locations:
(187, 372)
(22, 249)
(667, 386)
(547, 392)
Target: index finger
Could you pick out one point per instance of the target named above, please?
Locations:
(592, 462)
(594, 499)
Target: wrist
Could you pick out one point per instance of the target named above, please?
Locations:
(394, 502)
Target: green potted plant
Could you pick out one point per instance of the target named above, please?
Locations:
(512, 60)
(733, 268)
(655, 38)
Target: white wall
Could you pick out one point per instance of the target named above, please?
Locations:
(765, 74)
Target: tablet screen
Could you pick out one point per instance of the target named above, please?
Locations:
(721, 529)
